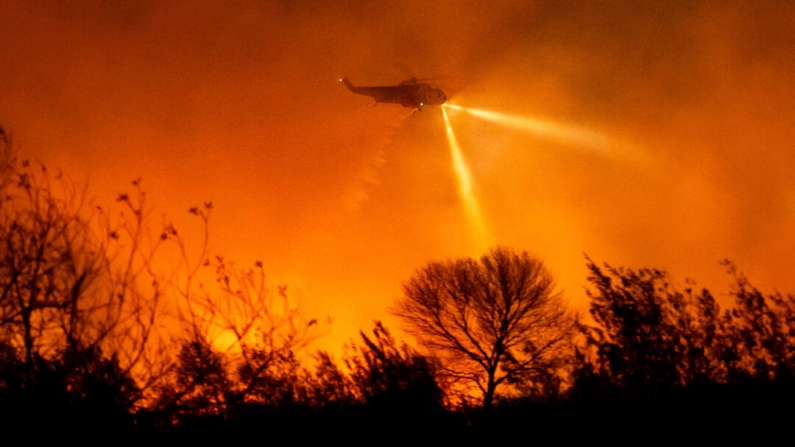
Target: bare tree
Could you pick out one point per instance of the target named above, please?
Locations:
(265, 329)
(78, 287)
(495, 323)
(72, 280)
(239, 336)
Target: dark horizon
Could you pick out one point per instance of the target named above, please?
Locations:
(240, 104)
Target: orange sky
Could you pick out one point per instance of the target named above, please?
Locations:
(239, 103)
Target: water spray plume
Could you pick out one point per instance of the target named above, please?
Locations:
(465, 185)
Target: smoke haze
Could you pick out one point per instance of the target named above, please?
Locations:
(239, 103)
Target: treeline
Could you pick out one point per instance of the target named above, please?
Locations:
(674, 360)
(95, 341)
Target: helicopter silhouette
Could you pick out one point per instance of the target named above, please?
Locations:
(410, 93)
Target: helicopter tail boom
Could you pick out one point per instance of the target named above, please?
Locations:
(348, 84)
(380, 94)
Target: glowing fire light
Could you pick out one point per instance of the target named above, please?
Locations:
(564, 134)
(465, 185)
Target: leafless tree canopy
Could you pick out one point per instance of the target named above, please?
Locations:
(78, 284)
(72, 279)
(493, 322)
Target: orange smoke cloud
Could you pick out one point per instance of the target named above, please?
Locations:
(239, 103)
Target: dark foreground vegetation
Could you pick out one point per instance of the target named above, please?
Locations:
(96, 343)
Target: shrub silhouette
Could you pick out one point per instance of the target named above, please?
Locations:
(390, 375)
(656, 354)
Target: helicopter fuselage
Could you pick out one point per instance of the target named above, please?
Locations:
(409, 93)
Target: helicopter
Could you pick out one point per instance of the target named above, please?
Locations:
(409, 93)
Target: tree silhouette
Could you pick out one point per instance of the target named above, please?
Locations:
(650, 338)
(494, 323)
(266, 330)
(89, 327)
(46, 266)
(75, 287)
